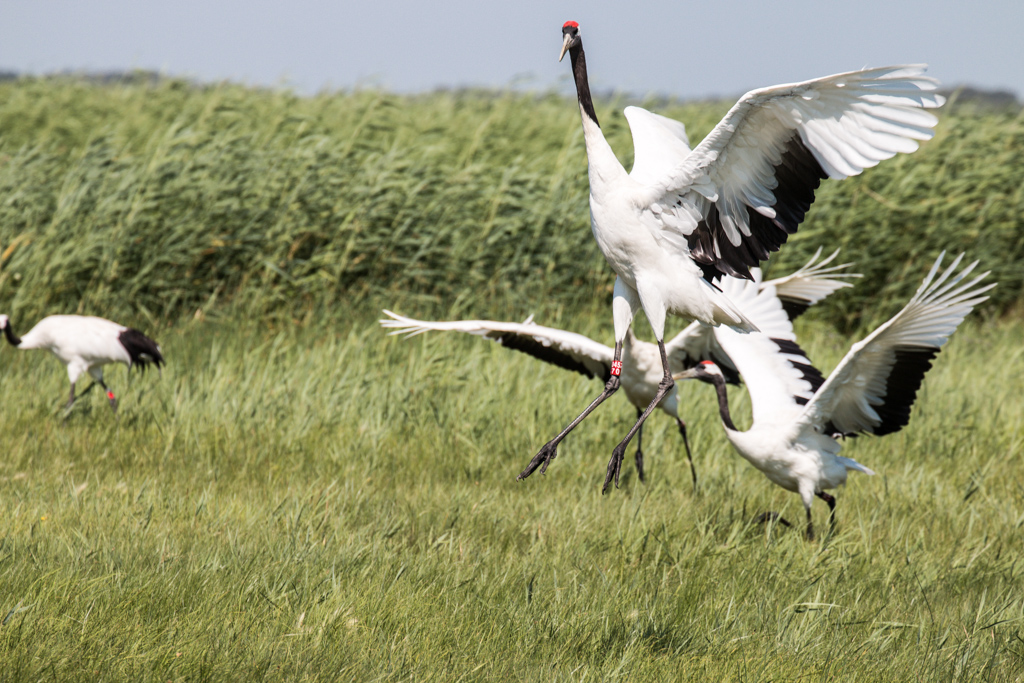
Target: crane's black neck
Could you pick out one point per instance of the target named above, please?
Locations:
(723, 403)
(9, 333)
(579, 74)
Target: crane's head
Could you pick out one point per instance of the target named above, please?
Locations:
(705, 371)
(570, 37)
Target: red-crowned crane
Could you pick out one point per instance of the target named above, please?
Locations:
(680, 216)
(641, 367)
(86, 344)
(797, 413)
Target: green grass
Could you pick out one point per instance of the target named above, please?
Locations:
(300, 497)
(327, 503)
(154, 201)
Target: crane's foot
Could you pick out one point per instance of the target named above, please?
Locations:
(614, 467)
(543, 458)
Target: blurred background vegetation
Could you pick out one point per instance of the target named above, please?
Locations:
(153, 199)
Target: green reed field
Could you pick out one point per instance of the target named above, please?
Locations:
(301, 497)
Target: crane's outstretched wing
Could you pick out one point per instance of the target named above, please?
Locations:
(660, 144)
(777, 372)
(873, 388)
(796, 292)
(746, 187)
(803, 288)
(565, 349)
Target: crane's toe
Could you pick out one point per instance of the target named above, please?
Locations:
(543, 458)
(614, 467)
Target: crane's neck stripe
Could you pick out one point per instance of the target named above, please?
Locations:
(579, 74)
(9, 333)
(723, 403)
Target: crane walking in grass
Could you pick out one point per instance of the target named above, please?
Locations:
(797, 413)
(641, 369)
(681, 217)
(86, 344)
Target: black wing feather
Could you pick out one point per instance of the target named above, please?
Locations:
(901, 387)
(808, 372)
(798, 174)
(548, 354)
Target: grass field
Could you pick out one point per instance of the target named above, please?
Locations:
(301, 497)
(327, 503)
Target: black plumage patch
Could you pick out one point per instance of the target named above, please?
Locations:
(901, 387)
(141, 349)
(794, 308)
(548, 354)
(12, 338)
(579, 74)
(808, 372)
(798, 174)
(711, 274)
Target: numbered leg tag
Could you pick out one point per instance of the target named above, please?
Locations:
(616, 368)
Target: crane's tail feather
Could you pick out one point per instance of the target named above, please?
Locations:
(141, 349)
(851, 464)
(728, 313)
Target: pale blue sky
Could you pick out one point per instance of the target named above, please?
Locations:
(683, 49)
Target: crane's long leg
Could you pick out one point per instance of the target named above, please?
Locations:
(810, 525)
(548, 452)
(71, 402)
(639, 448)
(831, 501)
(110, 395)
(689, 456)
(664, 386)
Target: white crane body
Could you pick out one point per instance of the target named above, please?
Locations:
(84, 344)
(680, 218)
(642, 370)
(797, 412)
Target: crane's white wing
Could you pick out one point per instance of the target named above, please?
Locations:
(874, 387)
(777, 372)
(796, 292)
(746, 187)
(565, 349)
(805, 287)
(660, 144)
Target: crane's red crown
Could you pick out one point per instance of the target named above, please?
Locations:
(705, 363)
(570, 24)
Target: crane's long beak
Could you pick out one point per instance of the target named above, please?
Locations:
(565, 46)
(685, 374)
